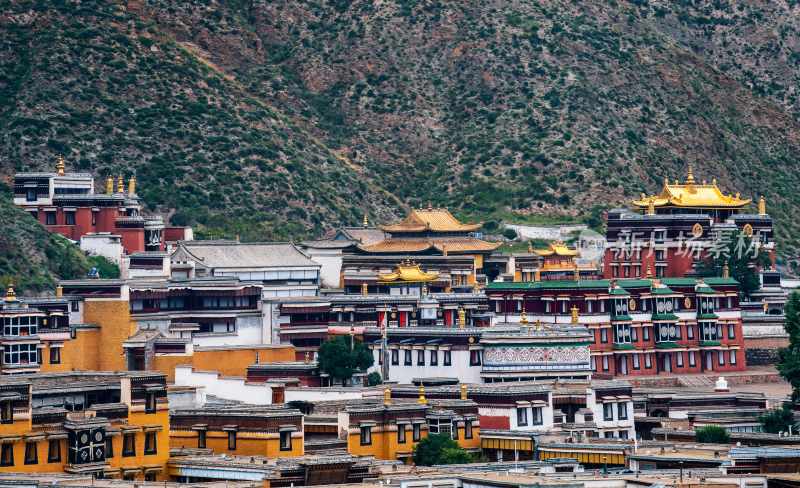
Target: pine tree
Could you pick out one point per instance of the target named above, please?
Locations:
(789, 358)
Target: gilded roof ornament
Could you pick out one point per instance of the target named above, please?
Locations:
(60, 166)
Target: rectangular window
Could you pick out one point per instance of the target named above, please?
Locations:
(645, 333)
(150, 443)
(421, 357)
(635, 361)
(721, 357)
(6, 412)
(30, 195)
(407, 357)
(416, 432)
(7, 454)
(401, 433)
(128, 445)
(733, 357)
(731, 331)
(608, 411)
(605, 363)
(395, 357)
(366, 435)
(622, 411)
(109, 447)
(434, 357)
(454, 431)
(679, 359)
(623, 434)
(634, 334)
(232, 440)
(55, 355)
(468, 429)
(474, 357)
(691, 358)
(54, 451)
(50, 218)
(522, 416)
(286, 441)
(31, 453)
(447, 359)
(94, 218)
(201, 439)
(647, 361)
(537, 415)
(69, 218)
(150, 403)
(689, 331)
(603, 335)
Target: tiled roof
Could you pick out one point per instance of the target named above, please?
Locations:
(600, 284)
(432, 219)
(455, 244)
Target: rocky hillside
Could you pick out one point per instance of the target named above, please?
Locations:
(282, 118)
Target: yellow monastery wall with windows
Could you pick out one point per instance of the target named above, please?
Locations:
(384, 443)
(80, 353)
(247, 443)
(234, 361)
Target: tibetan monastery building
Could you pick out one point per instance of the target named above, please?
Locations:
(673, 231)
(442, 246)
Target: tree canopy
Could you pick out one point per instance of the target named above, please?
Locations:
(713, 434)
(778, 420)
(439, 449)
(789, 357)
(338, 359)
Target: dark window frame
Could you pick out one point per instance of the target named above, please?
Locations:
(407, 358)
(365, 435)
(416, 432)
(69, 218)
(150, 443)
(395, 357)
(129, 445)
(448, 358)
(109, 447)
(55, 355)
(468, 429)
(31, 453)
(231, 440)
(421, 357)
(401, 433)
(434, 359)
(7, 454)
(201, 439)
(285, 440)
(54, 451)
(522, 416)
(50, 218)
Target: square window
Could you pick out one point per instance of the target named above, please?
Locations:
(50, 218)
(55, 355)
(30, 195)
(69, 218)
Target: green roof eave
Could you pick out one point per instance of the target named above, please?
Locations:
(667, 345)
(707, 316)
(664, 316)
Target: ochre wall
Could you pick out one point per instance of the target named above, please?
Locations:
(113, 317)
(247, 443)
(234, 362)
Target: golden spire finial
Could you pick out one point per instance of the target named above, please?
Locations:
(523, 318)
(11, 295)
(762, 205)
(574, 311)
(110, 185)
(726, 271)
(666, 181)
(364, 289)
(463, 391)
(387, 396)
(651, 207)
(132, 186)
(690, 176)
(714, 181)
(366, 220)
(421, 400)
(60, 165)
(120, 185)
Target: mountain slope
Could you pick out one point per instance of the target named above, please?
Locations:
(282, 118)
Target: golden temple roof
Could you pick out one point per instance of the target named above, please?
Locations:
(434, 219)
(407, 272)
(691, 194)
(558, 249)
(449, 245)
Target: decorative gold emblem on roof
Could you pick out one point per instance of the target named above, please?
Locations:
(557, 248)
(11, 295)
(762, 206)
(60, 166)
(690, 194)
(697, 230)
(407, 272)
(747, 230)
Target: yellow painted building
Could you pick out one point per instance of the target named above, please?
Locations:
(270, 431)
(106, 424)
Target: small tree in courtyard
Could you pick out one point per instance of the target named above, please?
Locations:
(713, 434)
(778, 420)
(439, 449)
(339, 359)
